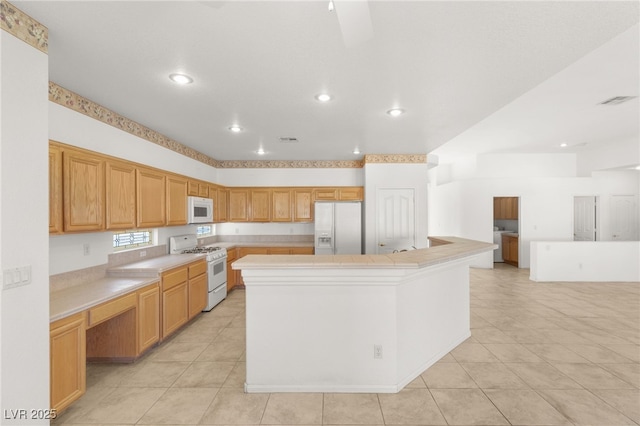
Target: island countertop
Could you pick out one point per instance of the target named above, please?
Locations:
(444, 249)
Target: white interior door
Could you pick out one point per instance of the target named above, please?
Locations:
(624, 218)
(395, 219)
(584, 218)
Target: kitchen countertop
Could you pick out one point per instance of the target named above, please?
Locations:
(120, 280)
(155, 266)
(129, 277)
(71, 300)
(510, 234)
(451, 248)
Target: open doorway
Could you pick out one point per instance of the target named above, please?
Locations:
(506, 223)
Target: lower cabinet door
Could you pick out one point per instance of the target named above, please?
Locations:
(148, 317)
(197, 295)
(175, 308)
(68, 360)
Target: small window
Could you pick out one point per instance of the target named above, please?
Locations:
(204, 230)
(133, 239)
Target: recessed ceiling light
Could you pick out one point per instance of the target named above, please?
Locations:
(395, 112)
(235, 128)
(323, 97)
(181, 78)
(563, 145)
(356, 151)
(260, 151)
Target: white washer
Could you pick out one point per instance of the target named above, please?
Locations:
(497, 239)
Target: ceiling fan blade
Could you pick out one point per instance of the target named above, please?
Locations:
(355, 21)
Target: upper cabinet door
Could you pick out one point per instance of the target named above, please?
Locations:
(260, 205)
(221, 207)
(238, 205)
(151, 198)
(351, 193)
(83, 181)
(303, 205)
(55, 190)
(281, 205)
(176, 200)
(121, 195)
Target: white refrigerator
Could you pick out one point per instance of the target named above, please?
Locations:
(338, 227)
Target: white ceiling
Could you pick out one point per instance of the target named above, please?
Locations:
(449, 64)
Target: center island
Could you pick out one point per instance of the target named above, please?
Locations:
(354, 323)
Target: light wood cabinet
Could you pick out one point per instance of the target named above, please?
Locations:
(55, 190)
(325, 194)
(220, 208)
(67, 360)
(151, 198)
(354, 193)
(303, 205)
(302, 250)
(198, 189)
(198, 289)
(238, 205)
(148, 317)
(510, 249)
(176, 200)
(231, 274)
(120, 178)
(342, 193)
(182, 296)
(83, 191)
(290, 250)
(281, 205)
(260, 205)
(505, 208)
(175, 308)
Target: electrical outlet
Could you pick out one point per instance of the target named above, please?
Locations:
(377, 351)
(86, 249)
(143, 253)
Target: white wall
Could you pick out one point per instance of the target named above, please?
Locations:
(585, 261)
(379, 176)
(465, 207)
(73, 128)
(623, 153)
(291, 177)
(24, 333)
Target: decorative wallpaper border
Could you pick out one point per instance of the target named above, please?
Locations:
(395, 158)
(19, 24)
(71, 100)
(292, 164)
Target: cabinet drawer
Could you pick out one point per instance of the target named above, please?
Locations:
(174, 277)
(196, 269)
(279, 250)
(111, 309)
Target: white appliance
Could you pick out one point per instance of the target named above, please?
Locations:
(216, 265)
(199, 210)
(497, 239)
(338, 227)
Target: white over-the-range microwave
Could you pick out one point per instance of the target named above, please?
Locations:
(199, 210)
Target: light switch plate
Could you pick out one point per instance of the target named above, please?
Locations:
(16, 277)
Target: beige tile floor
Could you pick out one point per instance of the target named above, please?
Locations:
(540, 354)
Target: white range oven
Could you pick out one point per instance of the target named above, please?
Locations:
(216, 265)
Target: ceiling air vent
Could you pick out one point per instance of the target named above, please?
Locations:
(617, 100)
(289, 140)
